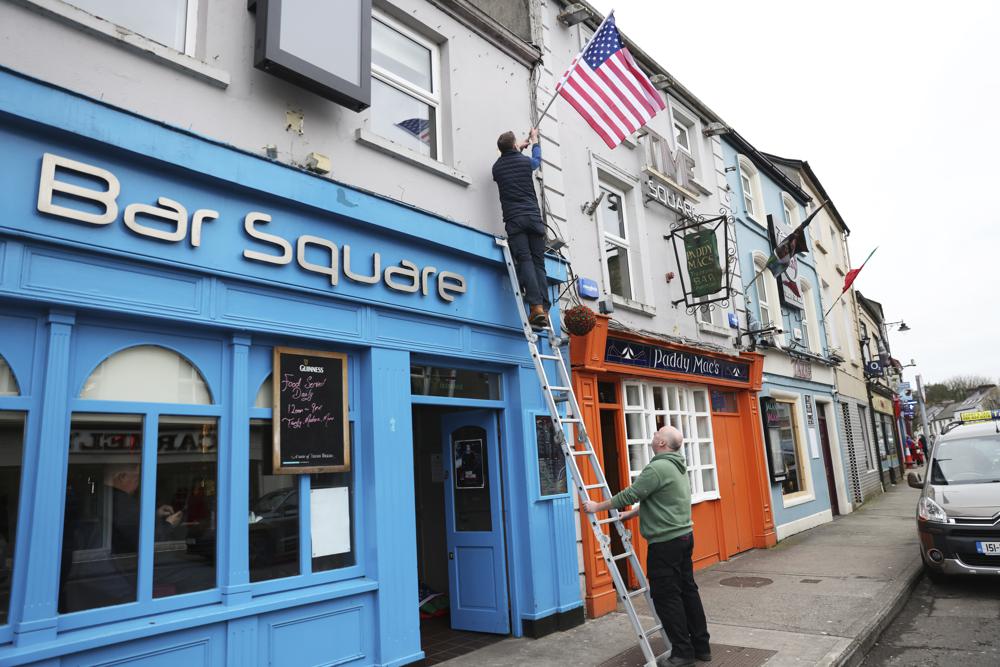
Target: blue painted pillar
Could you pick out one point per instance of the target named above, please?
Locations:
(38, 620)
(234, 469)
(388, 444)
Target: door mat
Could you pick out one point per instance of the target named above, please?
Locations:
(723, 655)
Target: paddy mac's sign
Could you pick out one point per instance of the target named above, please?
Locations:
(618, 351)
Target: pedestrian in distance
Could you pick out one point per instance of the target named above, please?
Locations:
(523, 220)
(663, 492)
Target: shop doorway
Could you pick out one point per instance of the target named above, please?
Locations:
(824, 438)
(611, 465)
(461, 560)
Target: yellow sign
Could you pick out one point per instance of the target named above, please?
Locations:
(981, 416)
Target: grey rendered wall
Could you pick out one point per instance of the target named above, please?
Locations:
(572, 151)
(512, 13)
(484, 92)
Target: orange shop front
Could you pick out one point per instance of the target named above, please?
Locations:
(628, 386)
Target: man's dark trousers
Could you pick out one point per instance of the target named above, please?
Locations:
(526, 239)
(675, 595)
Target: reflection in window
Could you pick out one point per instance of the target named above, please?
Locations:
(8, 383)
(784, 427)
(101, 525)
(405, 91)
(186, 505)
(11, 446)
(164, 21)
(149, 374)
(454, 382)
(274, 511)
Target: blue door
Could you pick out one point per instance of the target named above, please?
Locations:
(477, 567)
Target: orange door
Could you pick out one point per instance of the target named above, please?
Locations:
(733, 483)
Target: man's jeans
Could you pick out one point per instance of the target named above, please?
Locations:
(526, 239)
(675, 595)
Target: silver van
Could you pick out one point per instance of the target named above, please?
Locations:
(958, 514)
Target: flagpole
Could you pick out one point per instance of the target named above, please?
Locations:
(836, 301)
(844, 291)
(569, 69)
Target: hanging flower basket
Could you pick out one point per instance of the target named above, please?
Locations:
(579, 320)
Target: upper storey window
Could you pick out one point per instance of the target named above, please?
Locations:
(169, 22)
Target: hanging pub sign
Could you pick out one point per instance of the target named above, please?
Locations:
(873, 368)
(706, 275)
(789, 292)
(701, 250)
(310, 412)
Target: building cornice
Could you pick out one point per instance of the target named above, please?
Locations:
(487, 27)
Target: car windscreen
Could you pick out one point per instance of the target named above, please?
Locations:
(967, 461)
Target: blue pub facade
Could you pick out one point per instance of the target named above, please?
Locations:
(146, 278)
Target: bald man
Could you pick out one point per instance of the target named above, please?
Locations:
(664, 494)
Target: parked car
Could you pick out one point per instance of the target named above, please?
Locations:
(958, 514)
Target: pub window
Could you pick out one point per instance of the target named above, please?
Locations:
(454, 382)
(116, 510)
(405, 87)
(276, 526)
(11, 449)
(784, 429)
(750, 185)
(650, 407)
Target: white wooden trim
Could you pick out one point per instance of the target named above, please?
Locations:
(805, 523)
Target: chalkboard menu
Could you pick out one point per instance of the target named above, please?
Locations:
(310, 412)
(551, 461)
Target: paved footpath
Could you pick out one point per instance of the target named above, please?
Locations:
(821, 597)
(956, 622)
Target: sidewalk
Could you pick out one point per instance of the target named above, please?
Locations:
(818, 598)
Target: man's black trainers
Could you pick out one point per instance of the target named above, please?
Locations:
(675, 661)
(704, 656)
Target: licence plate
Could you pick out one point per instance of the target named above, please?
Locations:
(988, 548)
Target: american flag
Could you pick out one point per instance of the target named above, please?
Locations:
(418, 127)
(607, 87)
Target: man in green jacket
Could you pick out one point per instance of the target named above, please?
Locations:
(664, 494)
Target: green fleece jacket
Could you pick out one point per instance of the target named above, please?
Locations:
(663, 492)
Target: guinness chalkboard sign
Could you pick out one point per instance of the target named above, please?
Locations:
(310, 412)
(551, 460)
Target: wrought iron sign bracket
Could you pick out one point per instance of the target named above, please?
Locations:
(683, 227)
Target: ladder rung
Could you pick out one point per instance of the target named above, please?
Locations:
(582, 452)
(571, 420)
(593, 486)
(621, 556)
(550, 357)
(558, 388)
(603, 522)
(657, 628)
(636, 593)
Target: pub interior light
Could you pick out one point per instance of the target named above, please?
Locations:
(573, 14)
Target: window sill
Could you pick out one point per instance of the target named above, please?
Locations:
(82, 20)
(633, 306)
(366, 138)
(705, 498)
(800, 498)
(700, 188)
(714, 329)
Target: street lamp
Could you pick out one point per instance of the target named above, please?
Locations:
(903, 328)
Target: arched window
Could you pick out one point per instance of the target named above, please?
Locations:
(147, 374)
(767, 298)
(144, 425)
(753, 203)
(810, 321)
(8, 383)
(789, 210)
(265, 395)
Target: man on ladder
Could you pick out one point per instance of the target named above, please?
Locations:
(664, 494)
(522, 219)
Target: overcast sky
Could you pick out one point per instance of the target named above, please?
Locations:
(896, 106)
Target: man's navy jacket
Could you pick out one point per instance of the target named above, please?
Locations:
(512, 172)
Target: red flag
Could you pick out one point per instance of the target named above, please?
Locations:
(607, 87)
(853, 273)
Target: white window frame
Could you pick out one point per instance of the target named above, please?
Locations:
(190, 26)
(622, 243)
(791, 210)
(810, 320)
(765, 287)
(678, 410)
(808, 492)
(750, 176)
(431, 97)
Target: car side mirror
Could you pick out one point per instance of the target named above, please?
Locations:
(914, 480)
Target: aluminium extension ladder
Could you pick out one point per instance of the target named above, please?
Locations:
(562, 392)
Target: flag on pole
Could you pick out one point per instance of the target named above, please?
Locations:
(790, 246)
(607, 87)
(853, 273)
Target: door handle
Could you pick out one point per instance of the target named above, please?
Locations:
(451, 555)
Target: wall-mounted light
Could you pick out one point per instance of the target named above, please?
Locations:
(573, 14)
(715, 129)
(661, 81)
